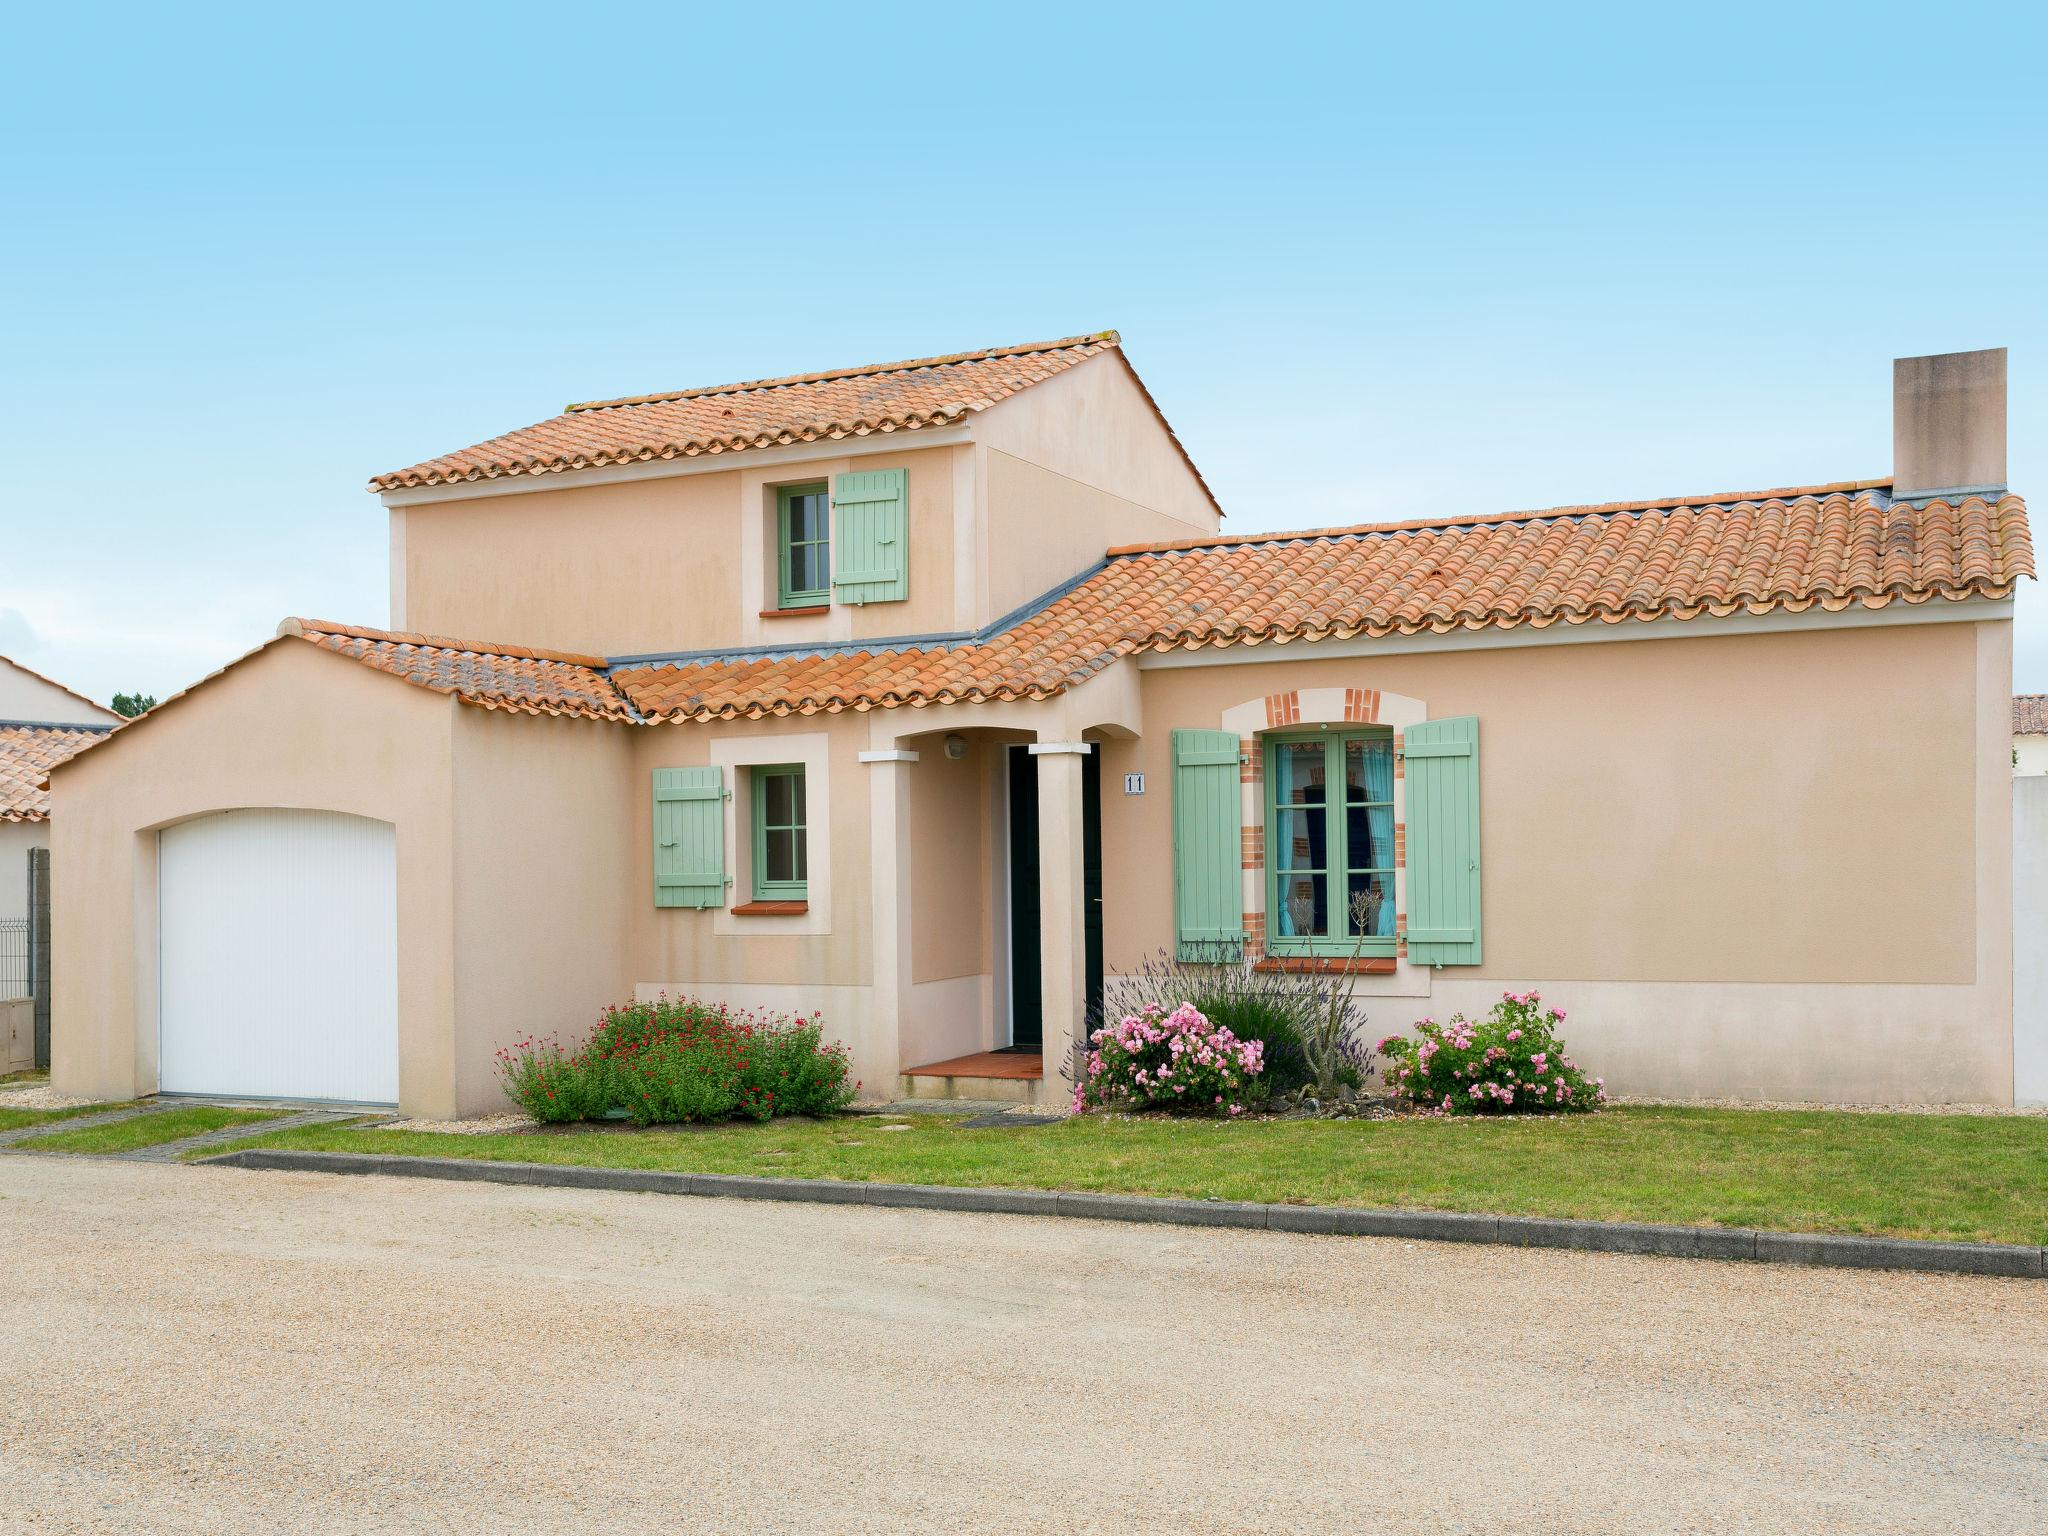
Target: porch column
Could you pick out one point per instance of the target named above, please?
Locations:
(1063, 965)
(880, 1067)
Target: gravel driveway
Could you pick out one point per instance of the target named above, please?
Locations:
(200, 1349)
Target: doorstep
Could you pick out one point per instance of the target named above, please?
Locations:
(1010, 1077)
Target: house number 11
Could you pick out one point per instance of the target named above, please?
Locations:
(1134, 783)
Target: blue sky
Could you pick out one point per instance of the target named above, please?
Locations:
(1372, 264)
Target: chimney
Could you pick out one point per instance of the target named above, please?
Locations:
(1948, 423)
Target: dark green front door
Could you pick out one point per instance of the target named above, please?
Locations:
(1027, 1002)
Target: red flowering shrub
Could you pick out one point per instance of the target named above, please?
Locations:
(549, 1085)
(668, 1061)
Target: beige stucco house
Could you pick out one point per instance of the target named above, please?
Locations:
(2029, 734)
(41, 723)
(924, 695)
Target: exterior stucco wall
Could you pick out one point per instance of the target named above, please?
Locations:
(543, 839)
(1045, 529)
(1094, 426)
(1071, 467)
(24, 696)
(937, 883)
(1767, 865)
(822, 961)
(2029, 756)
(950, 859)
(636, 566)
(647, 565)
(293, 728)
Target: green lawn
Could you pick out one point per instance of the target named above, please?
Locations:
(15, 1119)
(1946, 1176)
(146, 1130)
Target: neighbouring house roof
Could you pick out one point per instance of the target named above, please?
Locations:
(1835, 547)
(9, 661)
(27, 754)
(2030, 714)
(762, 413)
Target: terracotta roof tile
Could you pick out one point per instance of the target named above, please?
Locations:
(2030, 714)
(1844, 546)
(27, 754)
(733, 418)
(1838, 549)
(515, 678)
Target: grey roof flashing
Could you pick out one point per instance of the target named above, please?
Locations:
(944, 641)
(1950, 493)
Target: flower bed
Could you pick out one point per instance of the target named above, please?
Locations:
(1511, 1061)
(667, 1062)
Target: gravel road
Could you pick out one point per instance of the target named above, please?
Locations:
(200, 1349)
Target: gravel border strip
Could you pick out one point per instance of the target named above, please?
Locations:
(2006, 1259)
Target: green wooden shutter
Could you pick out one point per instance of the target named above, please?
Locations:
(1208, 860)
(689, 837)
(1441, 759)
(871, 536)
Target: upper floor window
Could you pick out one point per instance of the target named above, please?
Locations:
(1330, 842)
(781, 834)
(803, 547)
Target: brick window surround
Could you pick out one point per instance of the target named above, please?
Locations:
(1291, 711)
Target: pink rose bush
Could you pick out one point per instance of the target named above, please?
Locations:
(1153, 1059)
(1510, 1062)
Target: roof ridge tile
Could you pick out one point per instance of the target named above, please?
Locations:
(911, 395)
(1722, 501)
(863, 371)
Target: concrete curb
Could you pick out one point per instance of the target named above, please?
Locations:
(2009, 1260)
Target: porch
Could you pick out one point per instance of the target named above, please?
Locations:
(987, 891)
(1013, 1074)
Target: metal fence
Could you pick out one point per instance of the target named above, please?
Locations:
(14, 972)
(39, 950)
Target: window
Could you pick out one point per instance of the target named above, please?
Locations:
(781, 862)
(803, 546)
(1330, 843)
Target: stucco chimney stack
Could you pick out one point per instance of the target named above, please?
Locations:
(1948, 423)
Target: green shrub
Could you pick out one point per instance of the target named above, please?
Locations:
(674, 1079)
(549, 1084)
(804, 1076)
(1511, 1061)
(1178, 1061)
(668, 1062)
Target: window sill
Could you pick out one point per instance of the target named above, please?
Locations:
(1329, 965)
(771, 909)
(808, 611)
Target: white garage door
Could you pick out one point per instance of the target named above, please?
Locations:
(279, 956)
